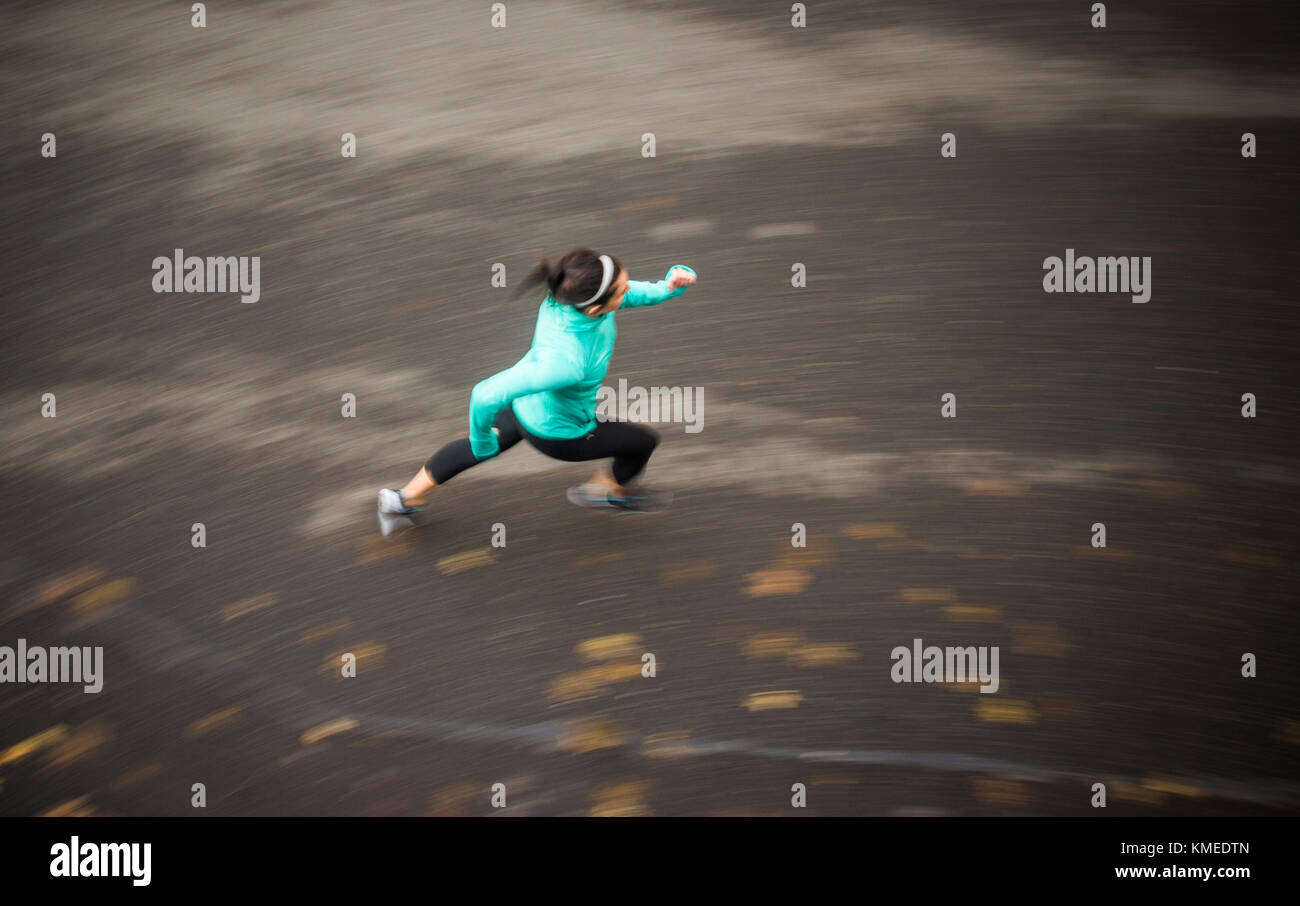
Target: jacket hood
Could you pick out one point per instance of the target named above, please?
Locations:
(573, 320)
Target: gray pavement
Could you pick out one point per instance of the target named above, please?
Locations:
(522, 666)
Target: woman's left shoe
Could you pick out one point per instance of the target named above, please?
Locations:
(394, 514)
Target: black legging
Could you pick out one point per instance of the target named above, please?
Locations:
(630, 445)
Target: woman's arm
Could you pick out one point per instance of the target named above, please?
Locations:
(535, 372)
(639, 292)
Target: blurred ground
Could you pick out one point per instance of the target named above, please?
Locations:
(521, 665)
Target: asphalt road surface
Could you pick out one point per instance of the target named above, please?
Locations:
(522, 665)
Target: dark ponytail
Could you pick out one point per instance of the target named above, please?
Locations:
(571, 280)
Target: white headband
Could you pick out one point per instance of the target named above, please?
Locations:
(608, 263)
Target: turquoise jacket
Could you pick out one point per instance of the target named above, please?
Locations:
(553, 388)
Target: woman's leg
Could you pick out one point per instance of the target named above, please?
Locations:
(454, 458)
(630, 445)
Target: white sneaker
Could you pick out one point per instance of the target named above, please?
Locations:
(590, 495)
(394, 514)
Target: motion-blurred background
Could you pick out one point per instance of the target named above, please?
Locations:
(774, 146)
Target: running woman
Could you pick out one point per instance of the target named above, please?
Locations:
(549, 396)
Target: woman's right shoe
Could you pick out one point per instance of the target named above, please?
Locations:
(590, 495)
(637, 500)
(642, 500)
